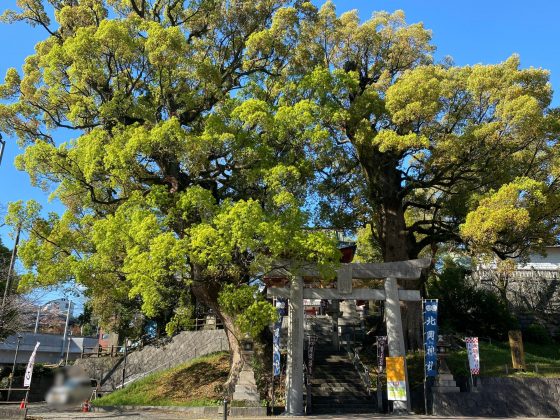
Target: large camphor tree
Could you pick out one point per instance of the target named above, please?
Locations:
(423, 153)
(204, 127)
(177, 179)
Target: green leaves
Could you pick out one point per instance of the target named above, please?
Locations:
(208, 137)
(520, 216)
(252, 313)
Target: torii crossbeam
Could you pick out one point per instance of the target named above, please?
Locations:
(391, 294)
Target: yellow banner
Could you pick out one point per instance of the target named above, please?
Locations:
(395, 369)
(396, 379)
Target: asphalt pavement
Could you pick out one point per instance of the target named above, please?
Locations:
(42, 411)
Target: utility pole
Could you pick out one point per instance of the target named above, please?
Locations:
(2, 146)
(11, 269)
(65, 329)
(19, 337)
(37, 320)
(68, 348)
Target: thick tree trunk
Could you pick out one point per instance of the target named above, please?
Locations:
(207, 293)
(236, 362)
(397, 244)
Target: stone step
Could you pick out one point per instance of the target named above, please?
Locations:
(339, 393)
(333, 365)
(347, 376)
(335, 370)
(351, 386)
(331, 359)
(333, 382)
(342, 399)
(322, 370)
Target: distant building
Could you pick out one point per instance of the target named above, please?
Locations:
(59, 307)
(532, 289)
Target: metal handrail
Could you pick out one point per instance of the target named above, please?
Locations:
(99, 351)
(362, 369)
(307, 383)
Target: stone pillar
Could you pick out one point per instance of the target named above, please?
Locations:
(335, 309)
(395, 334)
(246, 387)
(294, 368)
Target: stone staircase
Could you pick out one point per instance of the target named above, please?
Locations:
(335, 385)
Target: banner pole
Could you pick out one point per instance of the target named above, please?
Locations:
(272, 402)
(424, 345)
(25, 401)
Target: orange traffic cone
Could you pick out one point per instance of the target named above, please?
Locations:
(22, 404)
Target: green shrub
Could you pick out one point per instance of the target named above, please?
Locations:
(464, 308)
(536, 333)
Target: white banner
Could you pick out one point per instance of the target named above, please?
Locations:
(30, 364)
(472, 352)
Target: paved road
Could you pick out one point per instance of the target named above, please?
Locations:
(42, 411)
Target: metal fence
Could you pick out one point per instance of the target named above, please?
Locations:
(114, 351)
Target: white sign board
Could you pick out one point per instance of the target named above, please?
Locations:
(30, 364)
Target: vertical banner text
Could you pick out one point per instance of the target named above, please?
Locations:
(473, 355)
(430, 310)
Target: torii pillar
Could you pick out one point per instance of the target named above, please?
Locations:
(395, 336)
(294, 368)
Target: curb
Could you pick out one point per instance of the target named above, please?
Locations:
(212, 411)
(194, 410)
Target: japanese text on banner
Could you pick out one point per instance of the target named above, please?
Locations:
(30, 364)
(472, 352)
(381, 344)
(281, 308)
(430, 311)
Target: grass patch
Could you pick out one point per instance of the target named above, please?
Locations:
(542, 360)
(196, 383)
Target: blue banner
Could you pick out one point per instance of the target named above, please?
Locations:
(281, 308)
(430, 310)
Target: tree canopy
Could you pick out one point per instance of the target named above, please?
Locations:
(209, 137)
(427, 152)
(178, 180)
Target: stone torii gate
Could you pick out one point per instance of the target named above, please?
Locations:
(391, 294)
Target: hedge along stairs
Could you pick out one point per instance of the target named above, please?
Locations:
(152, 358)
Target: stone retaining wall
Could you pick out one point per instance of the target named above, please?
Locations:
(534, 299)
(503, 397)
(153, 358)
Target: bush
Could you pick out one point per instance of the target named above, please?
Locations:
(536, 333)
(464, 308)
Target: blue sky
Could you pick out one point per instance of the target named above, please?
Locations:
(472, 31)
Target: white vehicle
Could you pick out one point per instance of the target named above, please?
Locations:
(72, 391)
